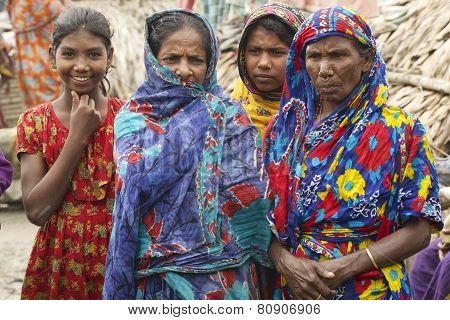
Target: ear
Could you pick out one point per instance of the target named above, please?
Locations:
(52, 57)
(110, 55)
(367, 62)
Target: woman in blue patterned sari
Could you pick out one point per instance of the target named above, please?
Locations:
(353, 179)
(189, 217)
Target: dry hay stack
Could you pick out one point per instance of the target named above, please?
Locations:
(415, 42)
(127, 20)
(229, 34)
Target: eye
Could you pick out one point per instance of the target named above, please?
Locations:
(336, 54)
(67, 54)
(169, 59)
(254, 51)
(94, 54)
(277, 52)
(313, 55)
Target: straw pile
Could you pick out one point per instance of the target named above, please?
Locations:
(415, 42)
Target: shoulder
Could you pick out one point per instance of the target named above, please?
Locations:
(116, 104)
(396, 117)
(35, 114)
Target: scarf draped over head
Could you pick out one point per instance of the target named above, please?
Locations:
(352, 164)
(189, 194)
(261, 106)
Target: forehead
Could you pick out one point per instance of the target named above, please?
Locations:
(82, 39)
(332, 43)
(260, 35)
(184, 39)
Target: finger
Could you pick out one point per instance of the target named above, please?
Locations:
(75, 100)
(323, 289)
(441, 255)
(321, 271)
(92, 103)
(84, 100)
(99, 116)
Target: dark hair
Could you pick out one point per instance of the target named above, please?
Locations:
(273, 24)
(172, 22)
(75, 18)
(363, 50)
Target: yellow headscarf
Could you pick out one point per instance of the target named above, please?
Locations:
(260, 109)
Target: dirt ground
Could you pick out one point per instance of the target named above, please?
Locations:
(16, 240)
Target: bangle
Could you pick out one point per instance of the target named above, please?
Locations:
(372, 259)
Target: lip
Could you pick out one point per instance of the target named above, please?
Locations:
(327, 89)
(263, 76)
(80, 79)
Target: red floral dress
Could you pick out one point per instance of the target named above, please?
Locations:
(69, 253)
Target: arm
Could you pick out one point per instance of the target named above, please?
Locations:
(303, 276)
(405, 242)
(5, 173)
(43, 192)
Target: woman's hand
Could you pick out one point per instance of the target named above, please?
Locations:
(341, 271)
(303, 276)
(84, 118)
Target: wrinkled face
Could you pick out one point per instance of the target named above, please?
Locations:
(81, 61)
(265, 59)
(185, 55)
(335, 67)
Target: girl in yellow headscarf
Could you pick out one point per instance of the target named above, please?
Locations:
(263, 49)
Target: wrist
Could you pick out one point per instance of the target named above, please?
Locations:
(77, 139)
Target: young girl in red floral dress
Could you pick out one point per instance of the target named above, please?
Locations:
(66, 151)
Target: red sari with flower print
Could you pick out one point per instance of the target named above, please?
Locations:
(69, 253)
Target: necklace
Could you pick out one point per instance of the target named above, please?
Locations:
(318, 111)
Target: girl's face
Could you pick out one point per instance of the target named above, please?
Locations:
(81, 61)
(184, 54)
(265, 59)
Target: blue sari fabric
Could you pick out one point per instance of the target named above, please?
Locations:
(352, 178)
(189, 217)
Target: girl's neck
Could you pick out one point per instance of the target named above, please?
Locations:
(65, 100)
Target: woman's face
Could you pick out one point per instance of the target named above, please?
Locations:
(265, 59)
(335, 67)
(184, 54)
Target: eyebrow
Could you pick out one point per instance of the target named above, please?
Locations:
(89, 49)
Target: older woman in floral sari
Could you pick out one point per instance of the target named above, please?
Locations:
(352, 178)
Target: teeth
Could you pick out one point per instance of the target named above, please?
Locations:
(81, 78)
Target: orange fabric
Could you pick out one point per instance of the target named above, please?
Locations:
(69, 253)
(32, 22)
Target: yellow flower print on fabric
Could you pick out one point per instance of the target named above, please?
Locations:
(376, 290)
(394, 275)
(425, 184)
(426, 146)
(395, 117)
(382, 95)
(351, 184)
(335, 161)
(409, 171)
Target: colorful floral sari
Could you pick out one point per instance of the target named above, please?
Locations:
(354, 177)
(32, 21)
(189, 217)
(261, 106)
